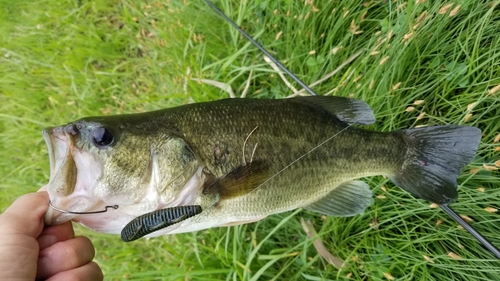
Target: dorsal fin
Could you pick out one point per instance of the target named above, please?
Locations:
(350, 111)
(239, 181)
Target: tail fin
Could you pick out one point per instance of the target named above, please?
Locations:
(434, 159)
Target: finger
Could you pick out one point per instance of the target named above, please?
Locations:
(64, 256)
(18, 257)
(89, 271)
(57, 233)
(25, 215)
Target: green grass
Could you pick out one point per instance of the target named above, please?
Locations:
(62, 60)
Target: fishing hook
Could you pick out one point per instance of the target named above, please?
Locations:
(114, 207)
(445, 207)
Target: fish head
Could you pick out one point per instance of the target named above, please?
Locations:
(100, 162)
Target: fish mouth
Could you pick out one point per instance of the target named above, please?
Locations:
(62, 166)
(73, 173)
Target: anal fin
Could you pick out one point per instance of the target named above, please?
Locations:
(347, 200)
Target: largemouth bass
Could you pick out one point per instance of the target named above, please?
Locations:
(241, 160)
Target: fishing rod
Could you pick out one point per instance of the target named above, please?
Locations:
(447, 209)
(471, 230)
(262, 49)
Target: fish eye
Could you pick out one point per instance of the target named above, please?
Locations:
(102, 137)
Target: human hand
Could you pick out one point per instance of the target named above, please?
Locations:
(29, 251)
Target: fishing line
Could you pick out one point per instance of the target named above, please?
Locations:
(302, 84)
(106, 208)
(445, 208)
(308, 152)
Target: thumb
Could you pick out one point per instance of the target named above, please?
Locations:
(25, 215)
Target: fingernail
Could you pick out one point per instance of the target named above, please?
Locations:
(46, 241)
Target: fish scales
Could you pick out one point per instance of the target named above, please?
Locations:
(284, 132)
(353, 153)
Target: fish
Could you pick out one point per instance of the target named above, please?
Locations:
(241, 160)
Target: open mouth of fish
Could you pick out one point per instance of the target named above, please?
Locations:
(73, 173)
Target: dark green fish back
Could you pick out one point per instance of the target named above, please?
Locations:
(280, 131)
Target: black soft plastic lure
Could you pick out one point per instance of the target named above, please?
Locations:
(156, 220)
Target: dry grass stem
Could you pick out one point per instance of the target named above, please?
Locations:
(320, 247)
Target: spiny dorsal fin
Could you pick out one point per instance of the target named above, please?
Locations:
(350, 111)
(349, 199)
(240, 181)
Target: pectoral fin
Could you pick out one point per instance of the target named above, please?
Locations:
(156, 220)
(239, 181)
(349, 199)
